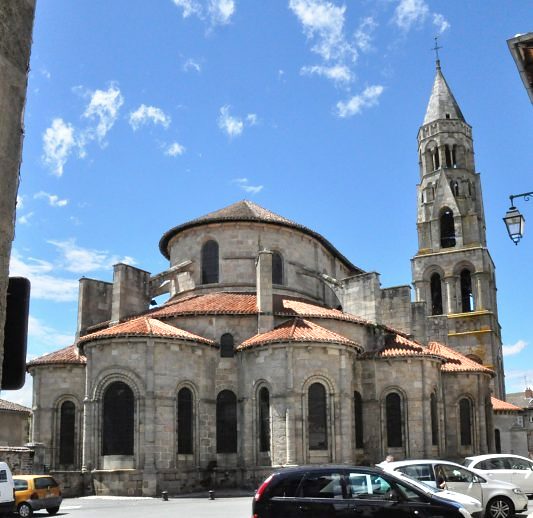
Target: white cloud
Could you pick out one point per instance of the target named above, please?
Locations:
(369, 97)
(145, 114)
(104, 107)
(511, 350)
(44, 285)
(251, 119)
(20, 202)
(189, 7)
(190, 64)
(363, 34)
(323, 22)
(23, 396)
(440, 22)
(337, 73)
(58, 144)
(216, 12)
(175, 149)
(41, 334)
(53, 199)
(232, 126)
(244, 184)
(409, 13)
(25, 218)
(77, 259)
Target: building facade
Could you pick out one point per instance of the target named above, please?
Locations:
(274, 349)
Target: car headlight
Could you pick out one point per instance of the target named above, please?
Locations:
(517, 491)
(464, 512)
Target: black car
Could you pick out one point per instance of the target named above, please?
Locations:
(346, 491)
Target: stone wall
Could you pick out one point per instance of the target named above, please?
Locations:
(14, 428)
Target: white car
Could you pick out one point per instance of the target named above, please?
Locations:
(502, 466)
(499, 499)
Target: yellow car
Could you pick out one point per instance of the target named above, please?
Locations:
(35, 492)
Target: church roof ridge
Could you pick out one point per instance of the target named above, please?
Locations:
(246, 210)
(442, 103)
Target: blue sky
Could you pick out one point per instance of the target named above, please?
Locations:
(143, 115)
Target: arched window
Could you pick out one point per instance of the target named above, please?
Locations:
(448, 155)
(436, 294)
(436, 159)
(226, 346)
(264, 420)
(226, 422)
(118, 420)
(185, 421)
(67, 427)
(317, 417)
(358, 419)
(434, 420)
(497, 440)
(393, 411)
(467, 297)
(277, 268)
(454, 156)
(210, 262)
(447, 229)
(465, 422)
(454, 186)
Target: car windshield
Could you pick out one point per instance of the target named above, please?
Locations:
(417, 483)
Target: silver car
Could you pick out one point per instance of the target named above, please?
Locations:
(504, 466)
(500, 499)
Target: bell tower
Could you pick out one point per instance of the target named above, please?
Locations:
(453, 271)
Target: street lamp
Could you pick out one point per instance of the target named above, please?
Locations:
(514, 220)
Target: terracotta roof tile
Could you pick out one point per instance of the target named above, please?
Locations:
(13, 407)
(145, 326)
(67, 355)
(302, 308)
(455, 361)
(498, 404)
(298, 330)
(398, 346)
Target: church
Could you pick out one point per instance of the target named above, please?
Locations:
(274, 349)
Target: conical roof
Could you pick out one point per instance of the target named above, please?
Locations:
(442, 103)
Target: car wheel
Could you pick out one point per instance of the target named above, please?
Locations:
(500, 507)
(25, 510)
(52, 510)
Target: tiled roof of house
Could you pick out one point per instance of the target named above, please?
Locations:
(224, 303)
(246, 210)
(498, 404)
(145, 326)
(67, 355)
(397, 346)
(13, 407)
(297, 330)
(455, 361)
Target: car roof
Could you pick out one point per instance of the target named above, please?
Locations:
(320, 467)
(29, 477)
(495, 456)
(413, 462)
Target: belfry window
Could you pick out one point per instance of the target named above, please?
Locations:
(226, 422)
(277, 268)
(434, 420)
(447, 229)
(226, 346)
(448, 155)
(317, 417)
(393, 416)
(185, 421)
(454, 185)
(67, 427)
(358, 419)
(118, 420)
(454, 156)
(210, 262)
(436, 159)
(436, 294)
(264, 420)
(467, 296)
(465, 422)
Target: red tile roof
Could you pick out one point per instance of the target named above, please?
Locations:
(246, 210)
(498, 404)
(145, 326)
(67, 355)
(455, 361)
(397, 346)
(298, 330)
(13, 407)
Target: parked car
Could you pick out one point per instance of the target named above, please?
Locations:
(502, 466)
(35, 492)
(345, 491)
(7, 489)
(499, 499)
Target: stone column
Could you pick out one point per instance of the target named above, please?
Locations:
(478, 289)
(450, 292)
(265, 301)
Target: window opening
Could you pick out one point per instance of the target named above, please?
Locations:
(434, 420)
(185, 421)
(317, 417)
(118, 420)
(226, 346)
(448, 156)
(436, 294)
(447, 229)
(210, 262)
(277, 268)
(264, 420)
(226, 422)
(465, 418)
(467, 297)
(393, 411)
(358, 418)
(67, 428)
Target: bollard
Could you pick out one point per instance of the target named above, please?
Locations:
(164, 494)
(211, 494)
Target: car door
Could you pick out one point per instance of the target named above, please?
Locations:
(461, 480)
(522, 475)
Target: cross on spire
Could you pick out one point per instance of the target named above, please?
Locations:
(436, 49)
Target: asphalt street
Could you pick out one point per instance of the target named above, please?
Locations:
(121, 507)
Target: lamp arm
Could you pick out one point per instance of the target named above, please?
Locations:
(526, 195)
